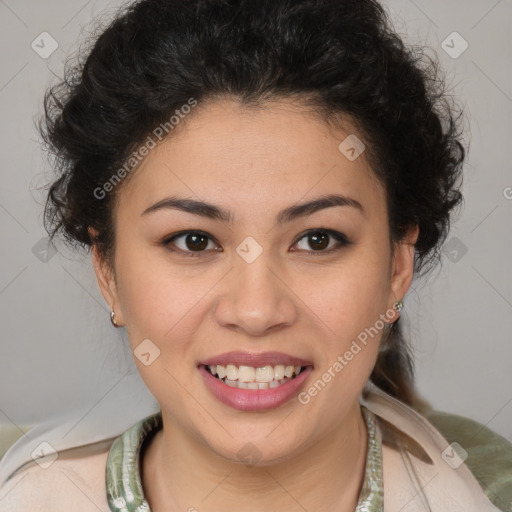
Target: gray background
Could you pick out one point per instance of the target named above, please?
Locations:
(59, 352)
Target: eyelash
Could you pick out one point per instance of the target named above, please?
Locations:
(339, 237)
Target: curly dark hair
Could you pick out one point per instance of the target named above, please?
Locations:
(340, 56)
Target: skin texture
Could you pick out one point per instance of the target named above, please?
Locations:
(292, 298)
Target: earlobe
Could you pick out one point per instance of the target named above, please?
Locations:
(403, 266)
(106, 281)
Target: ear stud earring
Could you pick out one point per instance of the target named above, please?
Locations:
(398, 305)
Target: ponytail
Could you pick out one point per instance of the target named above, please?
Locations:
(394, 369)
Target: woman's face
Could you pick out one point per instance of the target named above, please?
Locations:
(255, 282)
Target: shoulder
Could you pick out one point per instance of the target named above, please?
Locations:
(425, 441)
(487, 454)
(74, 480)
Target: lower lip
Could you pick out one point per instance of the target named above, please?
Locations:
(254, 399)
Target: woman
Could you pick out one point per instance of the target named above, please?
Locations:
(258, 183)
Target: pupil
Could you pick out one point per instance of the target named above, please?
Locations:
(319, 238)
(195, 239)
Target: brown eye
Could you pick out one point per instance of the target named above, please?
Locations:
(189, 242)
(319, 241)
(196, 242)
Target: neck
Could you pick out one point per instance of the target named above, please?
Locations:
(179, 473)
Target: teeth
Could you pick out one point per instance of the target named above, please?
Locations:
(264, 374)
(246, 374)
(248, 377)
(288, 371)
(231, 372)
(279, 371)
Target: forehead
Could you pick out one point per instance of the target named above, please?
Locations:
(255, 159)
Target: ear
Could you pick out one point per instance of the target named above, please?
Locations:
(402, 267)
(106, 280)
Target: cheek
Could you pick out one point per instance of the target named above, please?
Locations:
(350, 302)
(161, 308)
(353, 304)
(158, 301)
(354, 294)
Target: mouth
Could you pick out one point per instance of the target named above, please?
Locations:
(255, 378)
(255, 382)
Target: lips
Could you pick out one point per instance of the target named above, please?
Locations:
(257, 390)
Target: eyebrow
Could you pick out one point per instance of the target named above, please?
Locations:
(289, 214)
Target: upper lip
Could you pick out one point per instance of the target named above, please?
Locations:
(256, 360)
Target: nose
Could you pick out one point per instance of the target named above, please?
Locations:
(256, 299)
